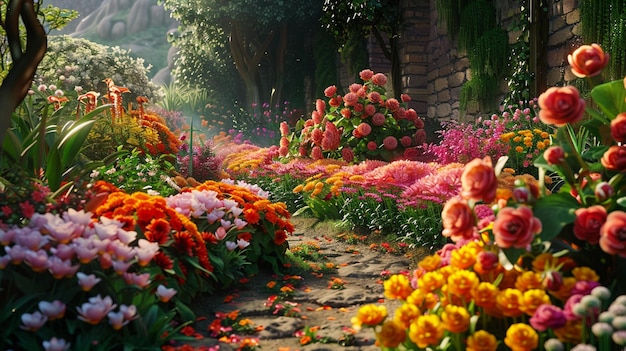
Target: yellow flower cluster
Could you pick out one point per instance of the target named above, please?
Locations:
(316, 186)
(471, 300)
(527, 141)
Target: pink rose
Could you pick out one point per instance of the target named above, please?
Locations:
(420, 137)
(515, 227)
(405, 97)
(393, 104)
(370, 110)
(603, 191)
(316, 153)
(548, 316)
(560, 106)
(614, 159)
(366, 74)
(363, 130)
(568, 309)
(618, 128)
(378, 119)
(316, 136)
(406, 141)
(284, 129)
(411, 153)
(350, 99)
(613, 234)
(379, 79)
(371, 146)
(316, 116)
(552, 280)
(330, 91)
(479, 181)
(331, 139)
(320, 106)
(487, 260)
(390, 143)
(458, 220)
(347, 154)
(336, 101)
(354, 87)
(588, 222)
(554, 155)
(411, 115)
(588, 60)
(374, 97)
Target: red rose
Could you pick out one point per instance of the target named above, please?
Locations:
(378, 119)
(515, 227)
(478, 180)
(370, 109)
(411, 115)
(330, 91)
(336, 101)
(406, 141)
(618, 128)
(390, 143)
(613, 234)
(588, 60)
(560, 106)
(405, 97)
(614, 158)
(371, 146)
(420, 137)
(458, 220)
(364, 129)
(347, 154)
(588, 222)
(411, 153)
(554, 155)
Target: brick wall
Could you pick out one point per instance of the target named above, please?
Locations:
(434, 70)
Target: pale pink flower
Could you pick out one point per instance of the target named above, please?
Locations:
(4, 261)
(230, 246)
(6, 237)
(116, 319)
(61, 268)
(120, 267)
(121, 251)
(33, 321)
(129, 312)
(87, 282)
(55, 344)
(146, 251)
(141, 280)
(126, 237)
(239, 223)
(220, 233)
(63, 251)
(32, 240)
(85, 250)
(165, 294)
(96, 309)
(37, 260)
(16, 253)
(53, 310)
(242, 243)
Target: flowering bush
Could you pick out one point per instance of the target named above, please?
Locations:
(362, 124)
(535, 269)
(197, 160)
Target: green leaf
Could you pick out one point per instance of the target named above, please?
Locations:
(54, 169)
(610, 98)
(555, 212)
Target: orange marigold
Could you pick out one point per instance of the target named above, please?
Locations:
(455, 318)
(521, 337)
(391, 334)
(369, 315)
(426, 330)
(398, 286)
(406, 313)
(482, 341)
(508, 301)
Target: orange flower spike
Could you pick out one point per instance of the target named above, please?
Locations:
(92, 100)
(56, 101)
(140, 101)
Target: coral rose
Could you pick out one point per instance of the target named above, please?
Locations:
(479, 181)
(393, 104)
(618, 128)
(588, 60)
(379, 79)
(405, 97)
(588, 222)
(614, 159)
(515, 227)
(366, 74)
(390, 143)
(458, 220)
(374, 97)
(378, 119)
(350, 99)
(363, 130)
(320, 106)
(372, 146)
(554, 155)
(330, 91)
(347, 154)
(613, 234)
(560, 106)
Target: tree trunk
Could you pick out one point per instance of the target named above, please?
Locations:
(281, 50)
(17, 82)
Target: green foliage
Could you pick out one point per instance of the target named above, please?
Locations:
(477, 17)
(72, 62)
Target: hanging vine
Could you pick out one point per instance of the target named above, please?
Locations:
(603, 22)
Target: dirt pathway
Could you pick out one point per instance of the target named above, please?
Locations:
(321, 303)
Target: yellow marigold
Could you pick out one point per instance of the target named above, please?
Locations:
(391, 334)
(517, 139)
(528, 142)
(481, 341)
(430, 263)
(319, 185)
(431, 300)
(369, 315)
(541, 145)
(450, 299)
(398, 286)
(507, 136)
(298, 188)
(521, 337)
(462, 282)
(544, 135)
(357, 178)
(427, 330)
(406, 313)
(464, 257)
(532, 299)
(430, 281)
(447, 271)
(416, 298)
(309, 186)
(528, 280)
(316, 192)
(519, 149)
(508, 301)
(484, 295)
(455, 318)
(585, 273)
(334, 190)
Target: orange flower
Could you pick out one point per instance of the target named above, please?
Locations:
(481, 341)
(406, 313)
(398, 286)
(251, 215)
(588, 60)
(430, 263)
(391, 334)
(464, 257)
(455, 318)
(479, 181)
(544, 261)
(484, 295)
(426, 330)
(561, 105)
(570, 333)
(369, 315)
(458, 220)
(461, 283)
(280, 237)
(430, 281)
(158, 231)
(528, 280)
(532, 299)
(585, 273)
(521, 337)
(508, 301)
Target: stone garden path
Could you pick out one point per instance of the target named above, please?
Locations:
(325, 312)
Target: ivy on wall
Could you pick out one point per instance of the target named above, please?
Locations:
(604, 22)
(473, 24)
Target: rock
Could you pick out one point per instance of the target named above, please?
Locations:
(104, 27)
(118, 30)
(138, 19)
